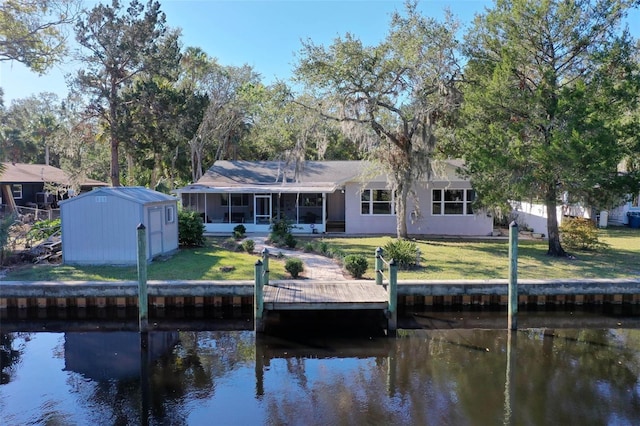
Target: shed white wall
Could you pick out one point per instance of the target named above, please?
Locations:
(102, 229)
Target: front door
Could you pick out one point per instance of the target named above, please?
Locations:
(262, 207)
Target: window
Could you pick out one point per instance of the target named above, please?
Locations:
(16, 189)
(452, 201)
(237, 200)
(169, 215)
(377, 202)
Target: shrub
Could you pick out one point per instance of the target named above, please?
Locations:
(239, 232)
(249, 245)
(281, 227)
(308, 248)
(356, 265)
(190, 229)
(335, 253)
(290, 241)
(580, 234)
(43, 229)
(324, 247)
(404, 252)
(281, 233)
(294, 266)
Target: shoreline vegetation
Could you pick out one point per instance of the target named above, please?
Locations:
(440, 259)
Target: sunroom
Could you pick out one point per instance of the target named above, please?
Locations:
(222, 209)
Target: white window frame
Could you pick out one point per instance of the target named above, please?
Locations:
(169, 214)
(466, 202)
(16, 190)
(371, 202)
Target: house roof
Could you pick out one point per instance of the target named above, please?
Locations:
(277, 176)
(136, 194)
(33, 173)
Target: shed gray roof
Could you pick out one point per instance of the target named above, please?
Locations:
(136, 194)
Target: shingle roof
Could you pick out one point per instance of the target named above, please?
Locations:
(30, 173)
(311, 173)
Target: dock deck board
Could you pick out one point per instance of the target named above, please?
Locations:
(307, 295)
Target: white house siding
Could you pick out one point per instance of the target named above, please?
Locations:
(419, 221)
(533, 216)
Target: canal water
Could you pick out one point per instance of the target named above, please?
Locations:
(443, 368)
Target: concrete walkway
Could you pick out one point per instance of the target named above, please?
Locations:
(316, 266)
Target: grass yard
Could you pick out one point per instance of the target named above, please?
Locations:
(441, 259)
(203, 263)
(489, 259)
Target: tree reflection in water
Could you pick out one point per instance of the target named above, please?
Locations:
(455, 376)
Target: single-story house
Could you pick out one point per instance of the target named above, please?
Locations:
(24, 185)
(349, 197)
(100, 227)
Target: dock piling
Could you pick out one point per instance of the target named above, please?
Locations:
(258, 299)
(392, 324)
(143, 299)
(379, 265)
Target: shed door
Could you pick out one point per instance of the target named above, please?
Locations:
(155, 231)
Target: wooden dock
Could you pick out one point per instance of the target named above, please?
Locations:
(318, 295)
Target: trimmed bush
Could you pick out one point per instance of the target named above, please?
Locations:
(356, 265)
(294, 266)
(190, 229)
(239, 232)
(580, 234)
(249, 245)
(404, 252)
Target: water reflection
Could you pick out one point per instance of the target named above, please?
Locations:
(536, 376)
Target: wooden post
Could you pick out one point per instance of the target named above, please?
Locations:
(393, 297)
(512, 322)
(378, 265)
(143, 300)
(265, 266)
(258, 302)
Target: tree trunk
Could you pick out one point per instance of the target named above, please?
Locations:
(551, 201)
(115, 143)
(402, 194)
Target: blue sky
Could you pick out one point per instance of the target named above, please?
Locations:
(264, 34)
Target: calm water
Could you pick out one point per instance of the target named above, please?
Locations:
(433, 374)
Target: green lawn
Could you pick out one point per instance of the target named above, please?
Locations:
(441, 259)
(187, 264)
(489, 259)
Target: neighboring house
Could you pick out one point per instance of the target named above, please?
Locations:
(100, 227)
(329, 196)
(23, 185)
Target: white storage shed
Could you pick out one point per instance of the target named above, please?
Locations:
(100, 227)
